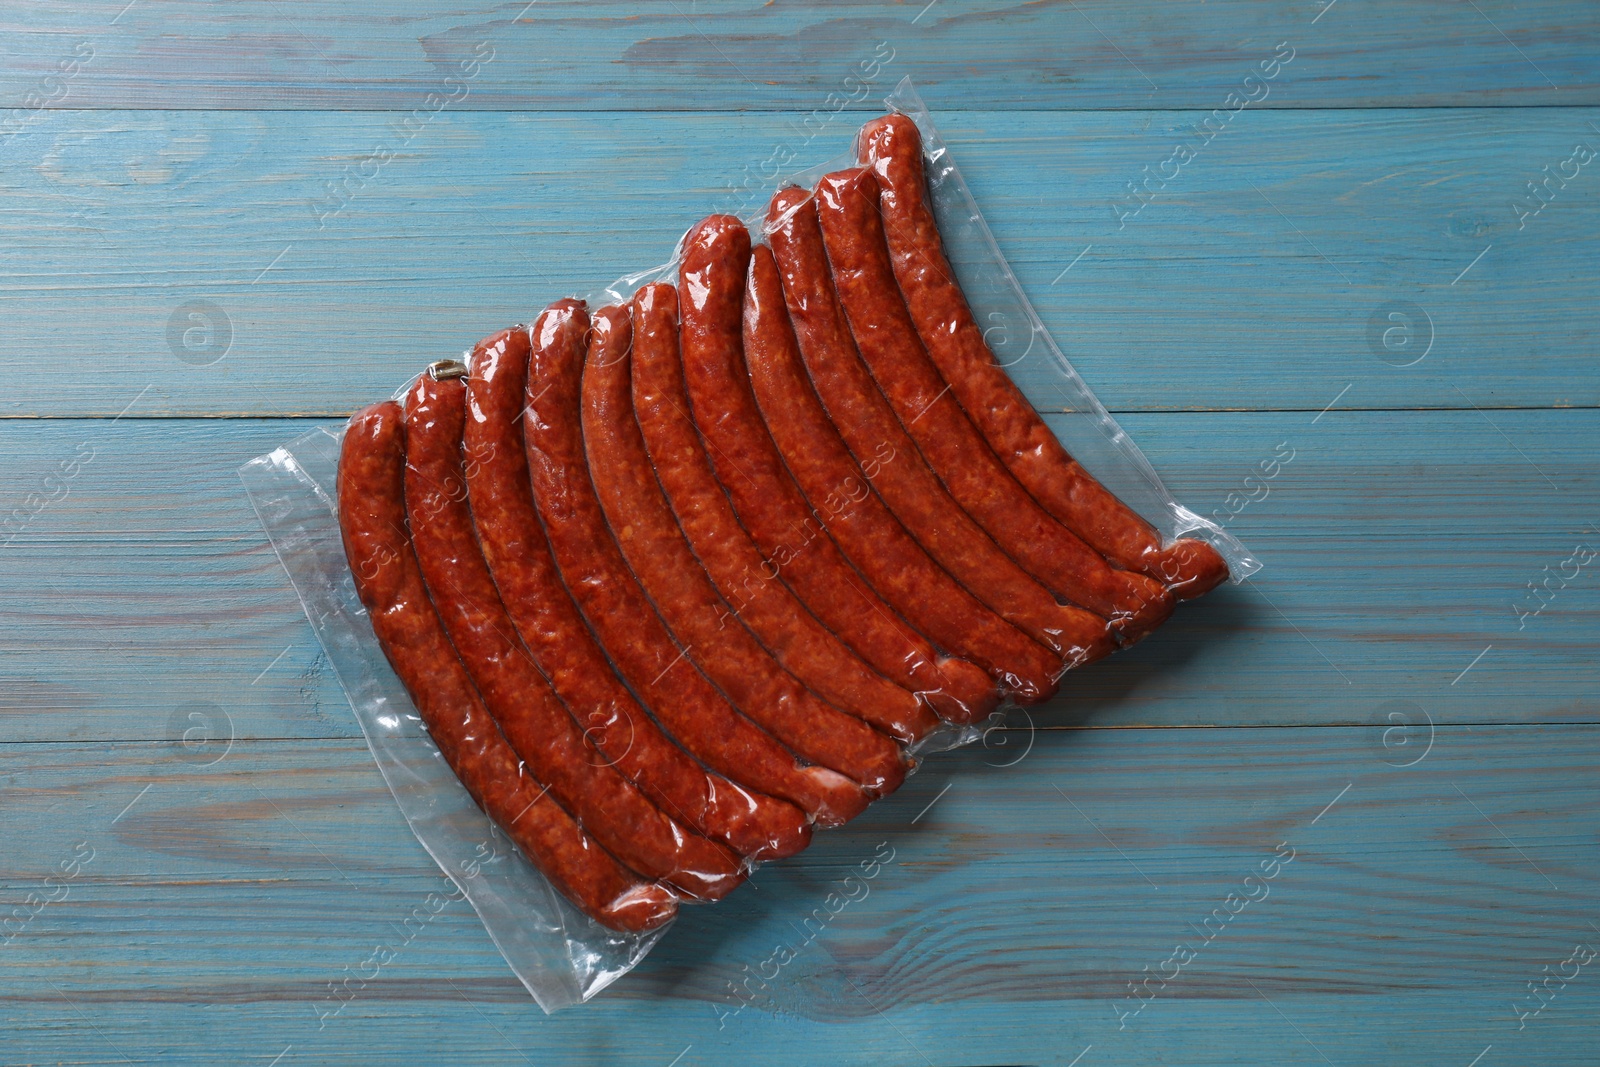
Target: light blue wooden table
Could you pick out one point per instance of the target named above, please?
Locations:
(226, 223)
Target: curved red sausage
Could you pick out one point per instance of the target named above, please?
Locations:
(715, 260)
(934, 525)
(1133, 603)
(372, 520)
(847, 207)
(745, 578)
(893, 147)
(771, 508)
(870, 535)
(609, 807)
(620, 614)
(518, 555)
(656, 551)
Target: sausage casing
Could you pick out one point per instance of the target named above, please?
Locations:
(659, 555)
(764, 492)
(518, 554)
(893, 147)
(752, 585)
(531, 716)
(372, 521)
(780, 521)
(689, 707)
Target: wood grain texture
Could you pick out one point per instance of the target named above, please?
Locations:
(1252, 281)
(714, 54)
(300, 186)
(149, 588)
(1016, 906)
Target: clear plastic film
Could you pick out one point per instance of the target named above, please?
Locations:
(1015, 333)
(1088, 431)
(561, 955)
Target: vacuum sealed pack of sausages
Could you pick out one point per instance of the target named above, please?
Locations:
(662, 583)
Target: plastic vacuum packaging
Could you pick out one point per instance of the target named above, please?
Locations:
(659, 585)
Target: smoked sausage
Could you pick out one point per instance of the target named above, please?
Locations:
(869, 425)
(779, 520)
(531, 717)
(847, 207)
(372, 521)
(514, 545)
(892, 146)
(667, 679)
(715, 262)
(644, 528)
(747, 580)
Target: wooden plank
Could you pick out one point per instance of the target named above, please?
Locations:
(700, 54)
(203, 250)
(1016, 907)
(1396, 547)
(1432, 736)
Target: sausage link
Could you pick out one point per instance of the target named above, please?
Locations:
(689, 707)
(868, 423)
(745, 578)
(871, 537)
(518, 555)
(372, 520)
(772, 509)
(807, 436)
(530, 715)
(645, 529)
(847, 207)
(893, 147)
(715, 261)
